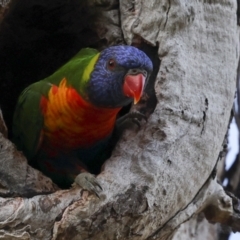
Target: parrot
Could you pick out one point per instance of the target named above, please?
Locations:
(64, 122)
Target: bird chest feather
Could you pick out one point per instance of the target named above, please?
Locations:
(70, 122)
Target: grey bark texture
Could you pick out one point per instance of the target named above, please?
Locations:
(160, 176)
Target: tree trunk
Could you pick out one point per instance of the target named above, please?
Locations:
(162, 175)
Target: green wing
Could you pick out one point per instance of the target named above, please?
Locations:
(28, 119)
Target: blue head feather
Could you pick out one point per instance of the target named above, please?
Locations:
(105, 87)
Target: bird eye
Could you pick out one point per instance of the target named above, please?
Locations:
(111, 64)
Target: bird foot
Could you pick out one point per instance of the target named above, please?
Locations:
(126, 121)
(136, 117)
(88, 182)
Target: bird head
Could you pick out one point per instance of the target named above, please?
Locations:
(119, 76)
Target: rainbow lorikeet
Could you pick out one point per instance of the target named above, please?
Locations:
(64, 122)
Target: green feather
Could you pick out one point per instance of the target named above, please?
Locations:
(74, 70)
(28, 118)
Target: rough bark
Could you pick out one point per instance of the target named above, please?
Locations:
(197, 228)
(160, 176)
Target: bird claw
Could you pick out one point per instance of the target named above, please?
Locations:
(134, 117)
(88, 182)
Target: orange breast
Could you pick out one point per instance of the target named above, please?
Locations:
(72, 123)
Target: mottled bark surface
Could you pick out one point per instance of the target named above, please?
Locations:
(161, 175)
(197, 228)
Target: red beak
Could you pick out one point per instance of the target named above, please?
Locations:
(133, 86)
